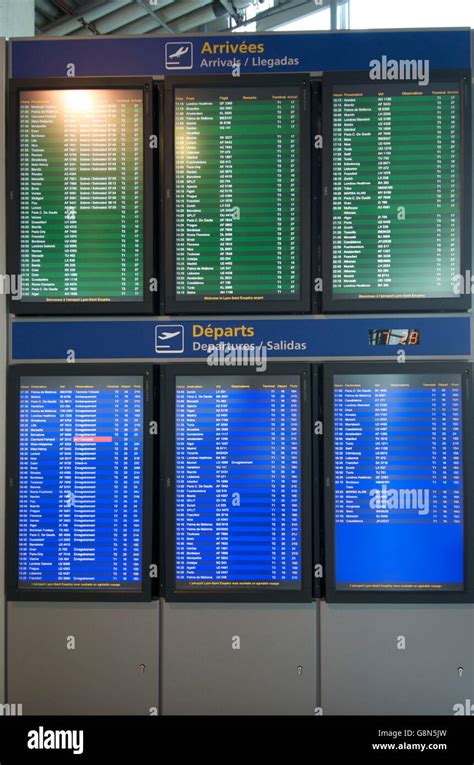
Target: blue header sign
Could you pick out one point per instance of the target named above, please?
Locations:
(252, 53)
(174, 339)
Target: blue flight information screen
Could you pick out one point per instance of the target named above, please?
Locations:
(238, 482)
(398, 482)
(80, 483)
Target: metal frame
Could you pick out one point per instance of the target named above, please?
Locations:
(385, 319)
(395, 305)
(4, 335)
(79, 306)
(335, 595)
(12, 467)
(234, 305)
(316, 194)
(317, 480)
(168, 516)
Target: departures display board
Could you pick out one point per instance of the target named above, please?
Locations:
(81, 195)
(237, 515)
(79, 510)
(396, 202)
(395, 451)
(238, 195)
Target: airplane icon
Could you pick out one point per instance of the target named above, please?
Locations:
(179, 55)
(169, 338)
(179, 52)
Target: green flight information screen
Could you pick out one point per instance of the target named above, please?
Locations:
(237, 193)
(81, 195)
(396, 190)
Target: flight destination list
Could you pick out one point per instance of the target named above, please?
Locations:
(80, 483)
(238, 482)
(81, 208)
(237, 189)
(396, 190)
(398, 482)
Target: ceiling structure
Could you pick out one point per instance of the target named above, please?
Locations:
(137, 17)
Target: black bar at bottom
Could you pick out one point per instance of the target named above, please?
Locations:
(136, 739)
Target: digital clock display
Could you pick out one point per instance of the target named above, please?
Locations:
(394, 336)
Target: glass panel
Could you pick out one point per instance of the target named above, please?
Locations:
(319, 20)
(365, 14)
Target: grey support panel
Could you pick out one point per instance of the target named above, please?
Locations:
(113, 669)
(366, 671)
(205, 672)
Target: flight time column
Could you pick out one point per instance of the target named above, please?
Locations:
(181, 488)
(24, 484)
(27, 194)
(181, 142)
(337, 204)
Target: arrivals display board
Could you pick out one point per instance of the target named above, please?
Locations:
(396, 199)
(238, 196)
(81, 189)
